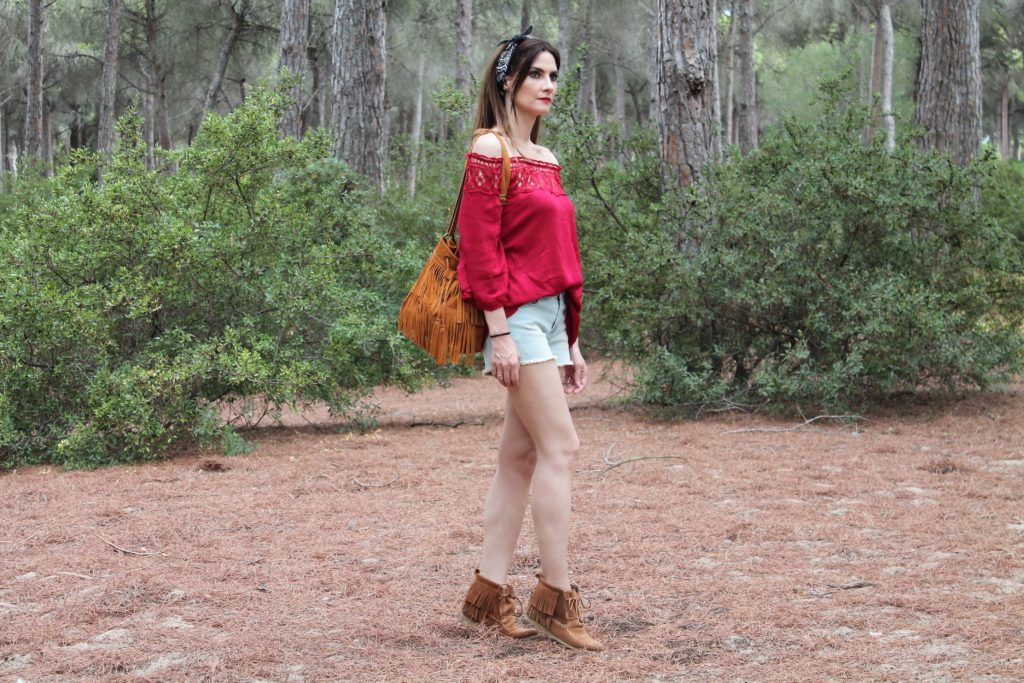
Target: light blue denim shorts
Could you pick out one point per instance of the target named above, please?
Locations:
(538, 329)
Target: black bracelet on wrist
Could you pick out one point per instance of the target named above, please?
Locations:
(500, 334)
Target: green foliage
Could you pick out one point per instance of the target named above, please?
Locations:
(816, 272)
(129, 310)
(1003, 195)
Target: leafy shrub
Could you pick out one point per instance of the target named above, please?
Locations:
(1003, 195)
(814, 272)
(251, 269)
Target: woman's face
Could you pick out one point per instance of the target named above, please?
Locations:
(539, 86)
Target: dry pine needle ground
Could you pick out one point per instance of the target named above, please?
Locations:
(887, 550)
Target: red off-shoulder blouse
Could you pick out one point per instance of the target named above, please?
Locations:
(527, 249)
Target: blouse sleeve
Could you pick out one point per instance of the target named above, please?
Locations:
(483, 271)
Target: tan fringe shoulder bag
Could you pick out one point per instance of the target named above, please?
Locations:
(434, 315)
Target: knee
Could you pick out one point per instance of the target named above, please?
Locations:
(566, 456)
(521, 463)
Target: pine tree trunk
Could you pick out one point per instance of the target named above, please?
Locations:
(292, 56)
(108, 83)
(730, 96)
(1004, 122)
(687, 50)
(464, 46)
(315, 119)
(47, 140)
(3, 147)
(237, 18)
(358, 59)
(565, 32)
(158, 78)
(619, 105)
(719, 147)
(147, 110)
(32, 142)
(417, 123)
(583, 98)
(888, 120)
(948, 89)
(746, 104)
(654, 74)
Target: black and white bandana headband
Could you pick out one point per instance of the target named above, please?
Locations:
(501, 69)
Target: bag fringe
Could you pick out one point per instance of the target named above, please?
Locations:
(435, 317)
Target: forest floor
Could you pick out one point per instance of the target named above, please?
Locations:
(741, 548)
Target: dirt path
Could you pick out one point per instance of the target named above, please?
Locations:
(888, 551)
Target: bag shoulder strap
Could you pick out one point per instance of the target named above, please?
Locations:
(506, 165)
(506, 177)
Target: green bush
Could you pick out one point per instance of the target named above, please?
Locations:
(816, 272)
(250, 267)
(1003, 195)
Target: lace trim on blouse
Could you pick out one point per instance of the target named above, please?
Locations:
(484, 175)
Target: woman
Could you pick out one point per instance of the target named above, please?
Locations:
(520, 263)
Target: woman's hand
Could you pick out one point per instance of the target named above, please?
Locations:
(505, 361)
(574, 377)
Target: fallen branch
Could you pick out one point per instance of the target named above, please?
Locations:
(374, 486)
(849, 586)
(613, 464)
(435, 423)
(124, 550)
(793, 429)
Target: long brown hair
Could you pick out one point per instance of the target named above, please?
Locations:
(490, 108)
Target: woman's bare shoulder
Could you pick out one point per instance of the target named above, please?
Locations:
(545, 154)
(487, 145)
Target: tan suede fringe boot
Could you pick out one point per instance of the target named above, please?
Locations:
(557, 614)
(494, 605)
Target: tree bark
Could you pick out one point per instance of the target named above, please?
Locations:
(358, 59)
(1004, 122)
(746, 102)
(316, 112)
(108, 82)
(149, 127)
(719, 147)
(888, 120)
(157, 78)
(464, 46)
(237, 18)
(417, 123)
(730, 96)
(687, 51)
(47, 140)
(3, 146)
(586, 94)
(948, 89)
(32, 142)
(565, 31)
(619, 103)
(292, 55)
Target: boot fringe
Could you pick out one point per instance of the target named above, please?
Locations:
(544, 600)
(481, 600)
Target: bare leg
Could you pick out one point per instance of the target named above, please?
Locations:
(540, 403)
(506, 501)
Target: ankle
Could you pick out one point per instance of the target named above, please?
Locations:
(499, 579)
(561, 582)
